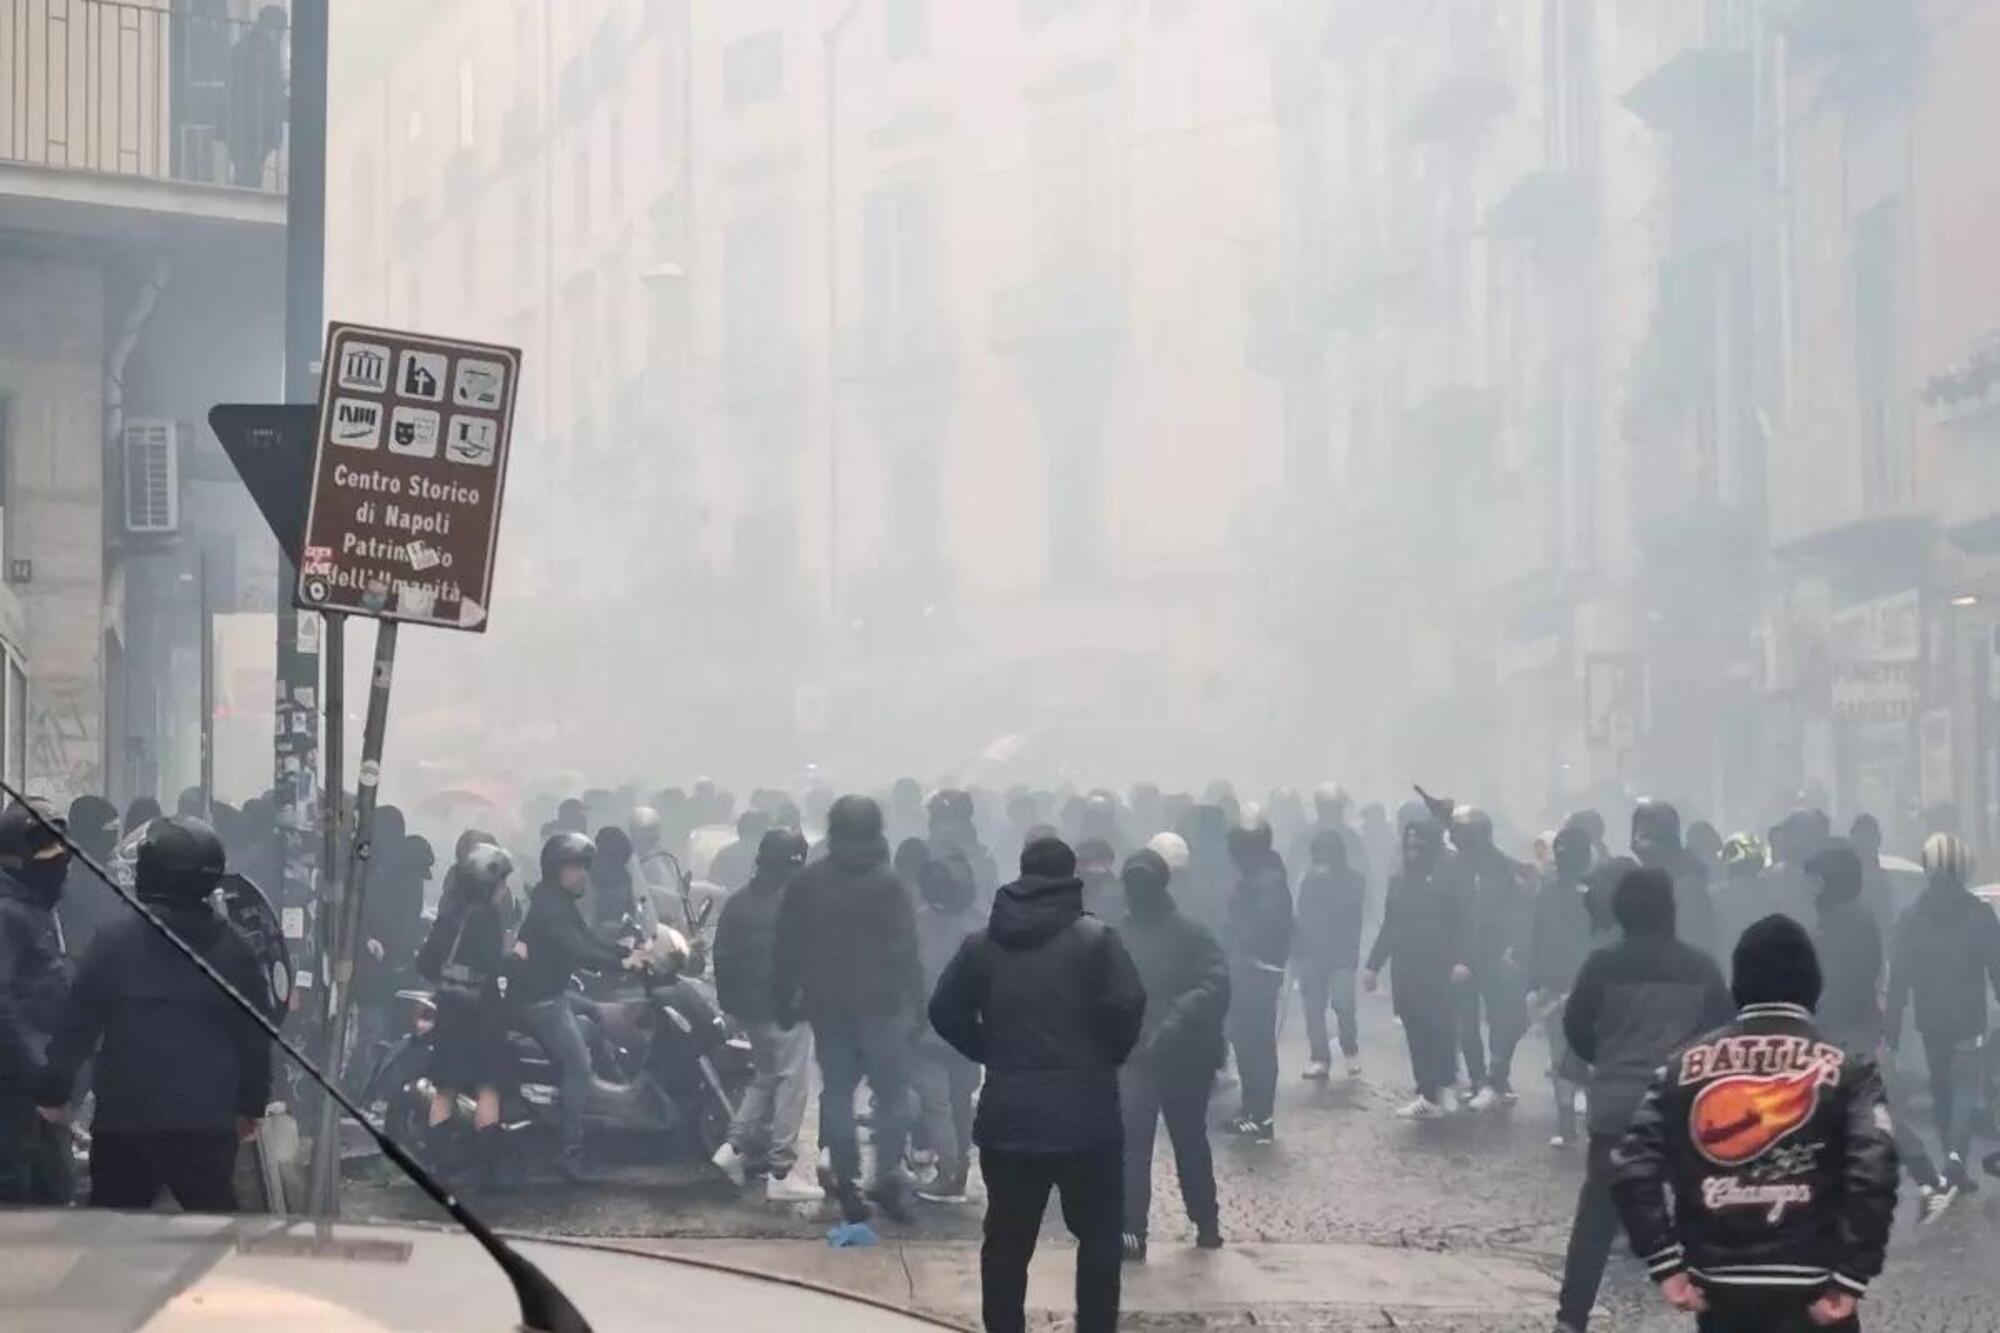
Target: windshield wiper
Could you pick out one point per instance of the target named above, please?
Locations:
(544, 1308)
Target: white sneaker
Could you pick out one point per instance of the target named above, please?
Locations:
(1559, 1141)
(792, 1188)
(730, 1163)
(1316, 1071)
(1483, 1100)
(1422, 1108)
(1354, 1069)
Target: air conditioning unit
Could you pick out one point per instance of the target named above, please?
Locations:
(152, 476)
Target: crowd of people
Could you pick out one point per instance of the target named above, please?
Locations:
(1721, 1016)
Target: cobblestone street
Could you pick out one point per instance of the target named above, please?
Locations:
(1343, 1173)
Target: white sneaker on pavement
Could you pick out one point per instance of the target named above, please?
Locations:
(792, 1188)
(730, 1163)
(1422, 1108)
(1354, 1069)
(1316, 1071)
(1483, 1100)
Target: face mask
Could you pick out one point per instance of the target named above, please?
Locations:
(45, 874)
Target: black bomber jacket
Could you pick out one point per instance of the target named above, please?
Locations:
(1778, 1151)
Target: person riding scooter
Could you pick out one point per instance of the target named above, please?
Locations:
(553, 943)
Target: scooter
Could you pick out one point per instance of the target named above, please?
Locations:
(664, 1067)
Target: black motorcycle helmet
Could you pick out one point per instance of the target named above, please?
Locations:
(180, 860)
(1573, 852)
(567, 848)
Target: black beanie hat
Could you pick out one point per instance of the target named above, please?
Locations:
(1050, 858)
(1775, 963)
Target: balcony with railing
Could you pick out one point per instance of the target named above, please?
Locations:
(132, 90)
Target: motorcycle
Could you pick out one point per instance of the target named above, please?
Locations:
(664, 1066)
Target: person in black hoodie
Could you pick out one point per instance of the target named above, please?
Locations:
(1656, 842)
(1423, 935)
(1326, 948)
(1492, 1001)
(763, 1138)
(1172, 1070)
(1259, 934)
(846, 961)
(1558, 942)
(553, 944)
(1849, 945)
(34, 981)
(181, 1074)
(1946, 959)
(1047, 998)
(1633, 1003)
(465, 959)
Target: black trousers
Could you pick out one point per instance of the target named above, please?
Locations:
(1017, 1193)
(1146, 1097)
(1754, 1310)
(1253, 1031)
(1590, 1236)
(1429, 1030)
(129, 1171)
(1491, 1002)
(34, 1156)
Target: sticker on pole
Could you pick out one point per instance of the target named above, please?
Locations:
(409, 466)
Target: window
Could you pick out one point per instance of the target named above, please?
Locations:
(909, 28)
(753, 70)
(899, 247)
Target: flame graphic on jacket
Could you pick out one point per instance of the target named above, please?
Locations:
(1737, 1119)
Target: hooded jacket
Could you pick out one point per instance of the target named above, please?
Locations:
(1186, 980)
(1778, 1151)
(1422, 935)
(847, 941)
(1637, 1000)
(1047, 998)
(1946, 958)
(34, 977)
(173, 1054)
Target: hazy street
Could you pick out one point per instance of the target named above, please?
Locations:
(1344, 1173)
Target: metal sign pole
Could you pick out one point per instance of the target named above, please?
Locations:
(326, 1144)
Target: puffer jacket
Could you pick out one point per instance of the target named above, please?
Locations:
(1779, 1154)
(1633, 1003)
(1047, 998)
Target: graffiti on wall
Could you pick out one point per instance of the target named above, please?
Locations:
(65, 758)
